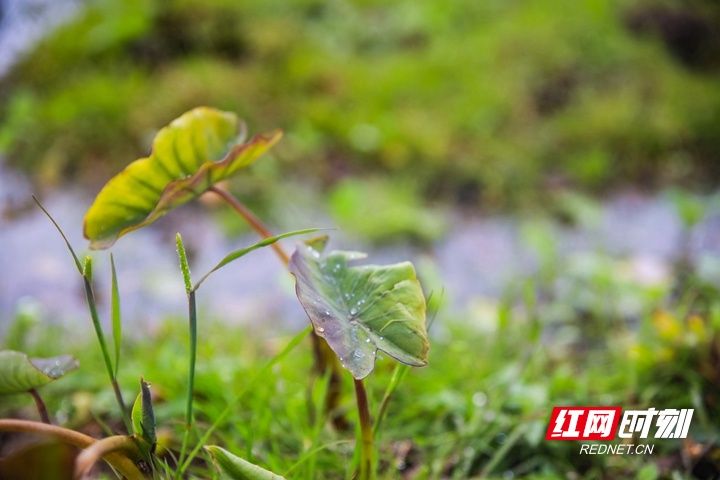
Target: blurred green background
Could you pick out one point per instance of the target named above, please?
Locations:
(486, 103)
(550, 166)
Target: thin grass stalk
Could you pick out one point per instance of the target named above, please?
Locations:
(192, 326)
(398, 375)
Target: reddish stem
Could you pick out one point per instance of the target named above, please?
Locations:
(252, 220)
(323, 356)
(40, 404)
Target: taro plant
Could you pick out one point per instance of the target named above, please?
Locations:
(22, 374)
(189, 157)
(359, 310)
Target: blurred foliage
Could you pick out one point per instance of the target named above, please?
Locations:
(475, 101)
(380, 210)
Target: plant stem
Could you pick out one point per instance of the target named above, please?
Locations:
(123, 464)
(192, 318)
(367, 444)
(42, 409)
(323, 356)
(254, 222)
(90, 296)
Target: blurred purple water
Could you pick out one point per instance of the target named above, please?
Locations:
(478, 258)
(24, 22)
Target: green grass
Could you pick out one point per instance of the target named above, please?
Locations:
(480, 406)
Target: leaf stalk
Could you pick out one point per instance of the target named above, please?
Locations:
(40, 404)
(367, 442)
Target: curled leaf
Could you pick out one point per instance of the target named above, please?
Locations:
(20, 373)
(236, 468)
(197, 150)
(119, 461)
(361, 309)
(118, 450)
(143, 416)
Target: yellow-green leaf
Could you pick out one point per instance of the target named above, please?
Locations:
(195, 151)
(19, 373)
(361, 309)
(235, 468)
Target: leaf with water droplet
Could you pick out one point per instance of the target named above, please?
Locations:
(20, 373)
(360, 309)
(236, 468)
(196, 151)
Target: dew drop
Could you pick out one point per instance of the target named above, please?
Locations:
(479, 399)
(353, 311)
(321, 329)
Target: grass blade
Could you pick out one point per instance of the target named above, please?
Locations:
(92, 306)
(62, 234)
(260, 375)
(192, 325)
(398, 374)
(116, 315)
(244, 251)
(500, 453)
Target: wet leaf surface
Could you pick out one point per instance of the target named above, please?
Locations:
(20, 373)
(361, 309)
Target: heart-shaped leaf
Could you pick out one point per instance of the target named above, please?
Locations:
(143, 416)
(197, 150)
(235, 468)
(361, 309)
(19, 373)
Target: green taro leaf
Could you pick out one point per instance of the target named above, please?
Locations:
(197, 150)
(143, 416)
(235, 468)
(20, 373)
(361, 309)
